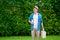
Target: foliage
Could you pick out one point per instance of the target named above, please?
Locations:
(14, 16)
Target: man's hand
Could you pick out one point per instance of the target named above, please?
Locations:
(31, 22)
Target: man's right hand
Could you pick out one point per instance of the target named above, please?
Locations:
(31, 22)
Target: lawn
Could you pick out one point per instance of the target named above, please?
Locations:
(28, 38)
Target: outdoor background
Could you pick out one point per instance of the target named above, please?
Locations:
(14, 16)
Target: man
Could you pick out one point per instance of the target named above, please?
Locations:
(35, 20)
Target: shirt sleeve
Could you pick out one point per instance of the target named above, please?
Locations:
(41, 19)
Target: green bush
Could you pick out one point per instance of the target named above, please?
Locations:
(14, 16)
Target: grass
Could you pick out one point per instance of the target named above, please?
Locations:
(28, 38)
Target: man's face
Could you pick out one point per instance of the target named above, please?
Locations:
(35, 10)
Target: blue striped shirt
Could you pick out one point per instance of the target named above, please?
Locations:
(39, 21)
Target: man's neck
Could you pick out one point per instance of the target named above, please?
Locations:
(36, 13)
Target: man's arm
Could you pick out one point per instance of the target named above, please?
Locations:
(31, 22)
(42, 25)
(30, 19)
